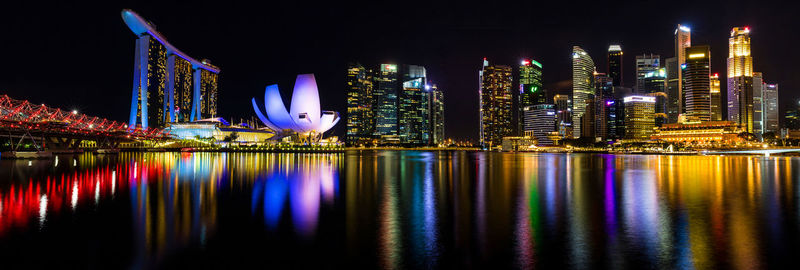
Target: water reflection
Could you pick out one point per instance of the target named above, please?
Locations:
(410, 209)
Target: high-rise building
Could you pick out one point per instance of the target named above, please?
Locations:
(653, 84)
(540, 120)
(645, 64)
(696, 72)
(791, 119)
(414, 107)
(168, 85)
(674, 98)
(588, 121)
(770, 107)
(683, 40)
(437, 115)
(582, 86)
(740, 78)
(639, 121)
(495, 103)
(530, 88)
(360, 117)
(716, 98)
(615, 67)
(563, 107)
(604, 92)
(758, 116)
(385, 98)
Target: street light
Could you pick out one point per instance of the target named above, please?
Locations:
(74, 111)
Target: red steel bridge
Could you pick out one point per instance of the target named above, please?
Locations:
(55, 128)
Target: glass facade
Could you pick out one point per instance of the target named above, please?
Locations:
(696, 83)
(645, 64)
(495, 104)
(385, 97)
(414, 119)
(740, 79)
(437, 114)
(360, 118)
(639, 121)
(582, 86)
(615, 64)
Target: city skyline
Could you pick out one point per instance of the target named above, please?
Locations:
(452, 70)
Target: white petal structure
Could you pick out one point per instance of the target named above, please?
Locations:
(305, 114)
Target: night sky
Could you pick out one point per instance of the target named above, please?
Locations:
(81, 55)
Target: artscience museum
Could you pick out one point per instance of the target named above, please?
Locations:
(304, 120)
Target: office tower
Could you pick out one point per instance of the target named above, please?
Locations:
(168, 85)
(716, 98)
(385, 106)
(740, 78)
(645, 64)
(683, 40)
(360, 117)
(530, 88)
(696, 72)
(674, 98)
(770, 107)
(414, 107)
(639, 121)
(437, 115)
(791, 119)
(563, 107)
(758, 120)
(587, 127)
(619, 115)
(495, 103)
(540, 120)
(604, 91)
(615, 66)
(582, 86)
(653, 85)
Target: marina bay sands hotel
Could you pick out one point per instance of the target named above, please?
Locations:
(168, 85)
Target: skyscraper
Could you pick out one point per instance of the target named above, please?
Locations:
(683, 40)
(414, 107)
(360, 117)
(437, 114)
(168, 85)
(540, 120)
(530, 87)
(645, 64)
(639, 120)
(740, 78)
(615, 64)
(696, 72)
(758, 116)
(385, 98)
(654, 83)
(563, 107)
(582, 86)
(770, 107)
(716, 98)
(604, 92)
(495, 103)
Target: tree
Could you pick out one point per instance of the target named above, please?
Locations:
(769, 136)
(231, 137)
(747, 136)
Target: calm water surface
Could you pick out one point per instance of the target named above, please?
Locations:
(399, 210)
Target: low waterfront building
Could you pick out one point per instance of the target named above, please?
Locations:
(639, 117)
(219, 130)
(517, 143)
(705, 133)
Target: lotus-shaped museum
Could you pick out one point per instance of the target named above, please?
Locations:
(304, 117)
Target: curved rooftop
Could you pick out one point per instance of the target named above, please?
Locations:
(140, 26)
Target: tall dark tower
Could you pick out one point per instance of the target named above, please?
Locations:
(615, 64)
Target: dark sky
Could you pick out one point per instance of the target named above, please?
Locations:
(81, 55)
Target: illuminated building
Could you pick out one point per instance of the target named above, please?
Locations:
(615, 66)
(437, 115)
(517, 143)
(218, 129)
(791, 120)
(604, 92)
(582, 85)
(495, 104)
(716, 98)
(770, 107)
(360, 118)
(645, 64)
(683, 40)
(530, 87)
(696, 72)
(305, 118)
(414, 107)
(653, 84)
(563, 107)
(740, 78)
(385, 98)
(639, 121)
(758, 120)
(587, 127)
(705, 133)
(539, 122)
(168, 85)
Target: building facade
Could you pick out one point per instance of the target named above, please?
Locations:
(168, 85)
(770, 107)
(645, 64)
(703, 134)
(360, 117)
(674, 98)
(683, 40)
(385, 98)
(758, 116)
(540, 122)
(495, 103)
(639, 121)
(716, 98)
(414, 107)
(530, 92)
(740, 78)
(582, 86)
(563, 107)
(696, 72)
(615, 64)
(437, 115)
